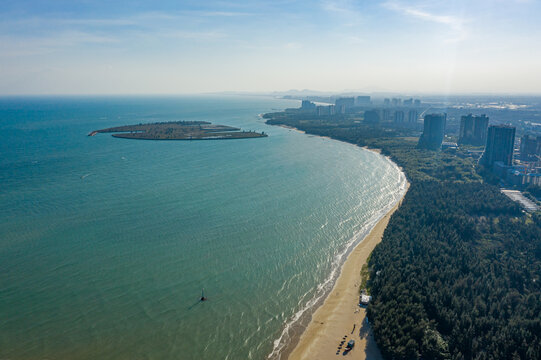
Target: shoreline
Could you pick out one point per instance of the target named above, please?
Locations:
(340, 313)
(291, 128)
(335, 315)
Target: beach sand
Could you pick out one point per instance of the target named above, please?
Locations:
(292, 128)
(340, 312)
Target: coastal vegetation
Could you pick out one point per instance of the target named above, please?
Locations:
(533, 192)
(179, 130)
(457, 273)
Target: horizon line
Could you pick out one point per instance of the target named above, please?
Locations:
(290, 92)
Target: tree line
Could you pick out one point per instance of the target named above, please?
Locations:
(457, 273)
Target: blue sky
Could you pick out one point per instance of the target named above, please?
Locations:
(140, 47)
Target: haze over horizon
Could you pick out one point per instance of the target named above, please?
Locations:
(98, 47)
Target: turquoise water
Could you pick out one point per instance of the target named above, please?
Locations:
(106, 243)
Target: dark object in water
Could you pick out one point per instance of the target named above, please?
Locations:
(203, 298)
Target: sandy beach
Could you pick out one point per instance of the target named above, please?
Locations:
(292, 128)
(340, 318)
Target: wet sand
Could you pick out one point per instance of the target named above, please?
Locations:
(335, 320)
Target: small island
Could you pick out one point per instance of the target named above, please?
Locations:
(179, 130)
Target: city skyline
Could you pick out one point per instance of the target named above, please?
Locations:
(81, 47)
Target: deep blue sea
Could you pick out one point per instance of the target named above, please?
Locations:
(106, 243)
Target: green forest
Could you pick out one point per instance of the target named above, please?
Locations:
(457, 274)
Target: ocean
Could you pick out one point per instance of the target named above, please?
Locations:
(106, 243)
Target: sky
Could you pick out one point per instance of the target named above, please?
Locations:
(186, 47)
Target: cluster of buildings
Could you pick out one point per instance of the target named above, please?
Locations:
(397, 102)
(341, 105)
(499, 141)
(400, 112)
(519, 165)
(499, 156)
(528, 169)
(393, 110)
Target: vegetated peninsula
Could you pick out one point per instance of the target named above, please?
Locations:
(179, 130)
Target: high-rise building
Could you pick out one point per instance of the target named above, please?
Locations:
(434, 131)
(499, 146)
(396, 101)
(480, 128)
(399, 116)
(325, 110)
(332, 109)
(530, 148)
(386, 102)
(308, 105)
(371, 116)
(466, 129)
(473, 129)
(408, 102)
(416, 102)
(412, 116)
(386, 114)
(346, 102)
(362, 101)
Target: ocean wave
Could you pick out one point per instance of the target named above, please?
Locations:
(323, 289)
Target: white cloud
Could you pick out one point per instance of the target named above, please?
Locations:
(13, 46)
(41, 35)
(150, 19)
(455, 23)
